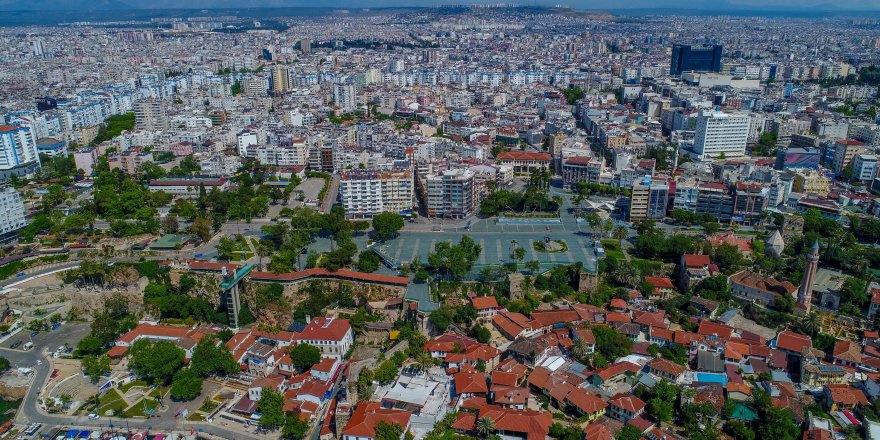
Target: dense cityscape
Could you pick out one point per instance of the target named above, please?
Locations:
(444, 223)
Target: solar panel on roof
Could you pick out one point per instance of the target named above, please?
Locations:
(830, 368)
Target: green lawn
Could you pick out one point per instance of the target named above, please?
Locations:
(646, 267)
(132, 384)
(209, 406)
(612, 249)
(140, 409)
(111, 400)
(196, 417)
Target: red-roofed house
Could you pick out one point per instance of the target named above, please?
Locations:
(841, 396)
(332, 335)
(793, 343)
(624, 407)
(662, 287)
(586, 404)
(666, 369)
(367, 415)
(184, 337)
(694, 268)
(487, 306)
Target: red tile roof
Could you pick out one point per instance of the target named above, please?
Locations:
(667, 366)
(696, 260)
(586, 402)
(533, 424)
(367, 415)
(484, 302)
(660, 282)
(324, 273)
(627, 402)
(524, 156)
(325, 329)
(846, 394)
(793, 342)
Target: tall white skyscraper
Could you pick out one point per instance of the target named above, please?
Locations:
(12, 214)
(18, 152)
(721, 133)
(37, 48)
(344, 95)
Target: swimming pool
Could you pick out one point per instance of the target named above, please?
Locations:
(712, 378)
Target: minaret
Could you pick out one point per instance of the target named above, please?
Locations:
(805, 293)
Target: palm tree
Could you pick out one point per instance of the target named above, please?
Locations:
(485, 426)
(579, 350)
(607, 227)
(264, 250)
(533, 266)
(811, 324)
(620, 233)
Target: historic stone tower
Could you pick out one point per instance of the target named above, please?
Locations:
(805, 293)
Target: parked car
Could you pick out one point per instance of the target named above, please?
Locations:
(15, 345)
(94, 416)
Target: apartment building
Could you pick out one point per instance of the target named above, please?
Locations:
(649, 200)
(451, 194)
(12, 212)
(720, 134)
(367, 193)
(844, 153)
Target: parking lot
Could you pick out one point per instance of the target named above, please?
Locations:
(68, 333)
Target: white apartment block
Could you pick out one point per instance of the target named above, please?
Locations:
(12, 213)
(367, 193)
(721, 133)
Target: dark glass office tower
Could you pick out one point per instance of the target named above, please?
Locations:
(686, 58)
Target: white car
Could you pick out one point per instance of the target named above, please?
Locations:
(94, 416)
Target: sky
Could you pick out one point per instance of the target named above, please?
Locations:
(794, 5)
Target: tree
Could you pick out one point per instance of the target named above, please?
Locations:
(610, 343)
(629, 432)
(89, 345)
(96, 366)
(271, 407)
(4, 364)
(304, 356)
(295, 428)
(620, 234)
(854, 291)
(210, 358)
(811, 324)
(728, 258)
(778, 424)
(201, 227)
(387, 224)
(156, 360)
(533, 266)
(485, 427)
(660, 405)
(519, 253)
(388, 431)
(187, 385)
(368, 261)
(226, 248)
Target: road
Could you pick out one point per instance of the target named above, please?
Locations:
(29, 413)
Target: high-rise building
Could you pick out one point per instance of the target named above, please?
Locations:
(344, 95)
(149, 115)
(649, 199)
(18, 152)
(305, 46)
(805, 292)
(12, 213)
(280, 79)
(721, 133)
(37, 48)
(451, 194)
(367, 193)
(844, 153)
(686, 58)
